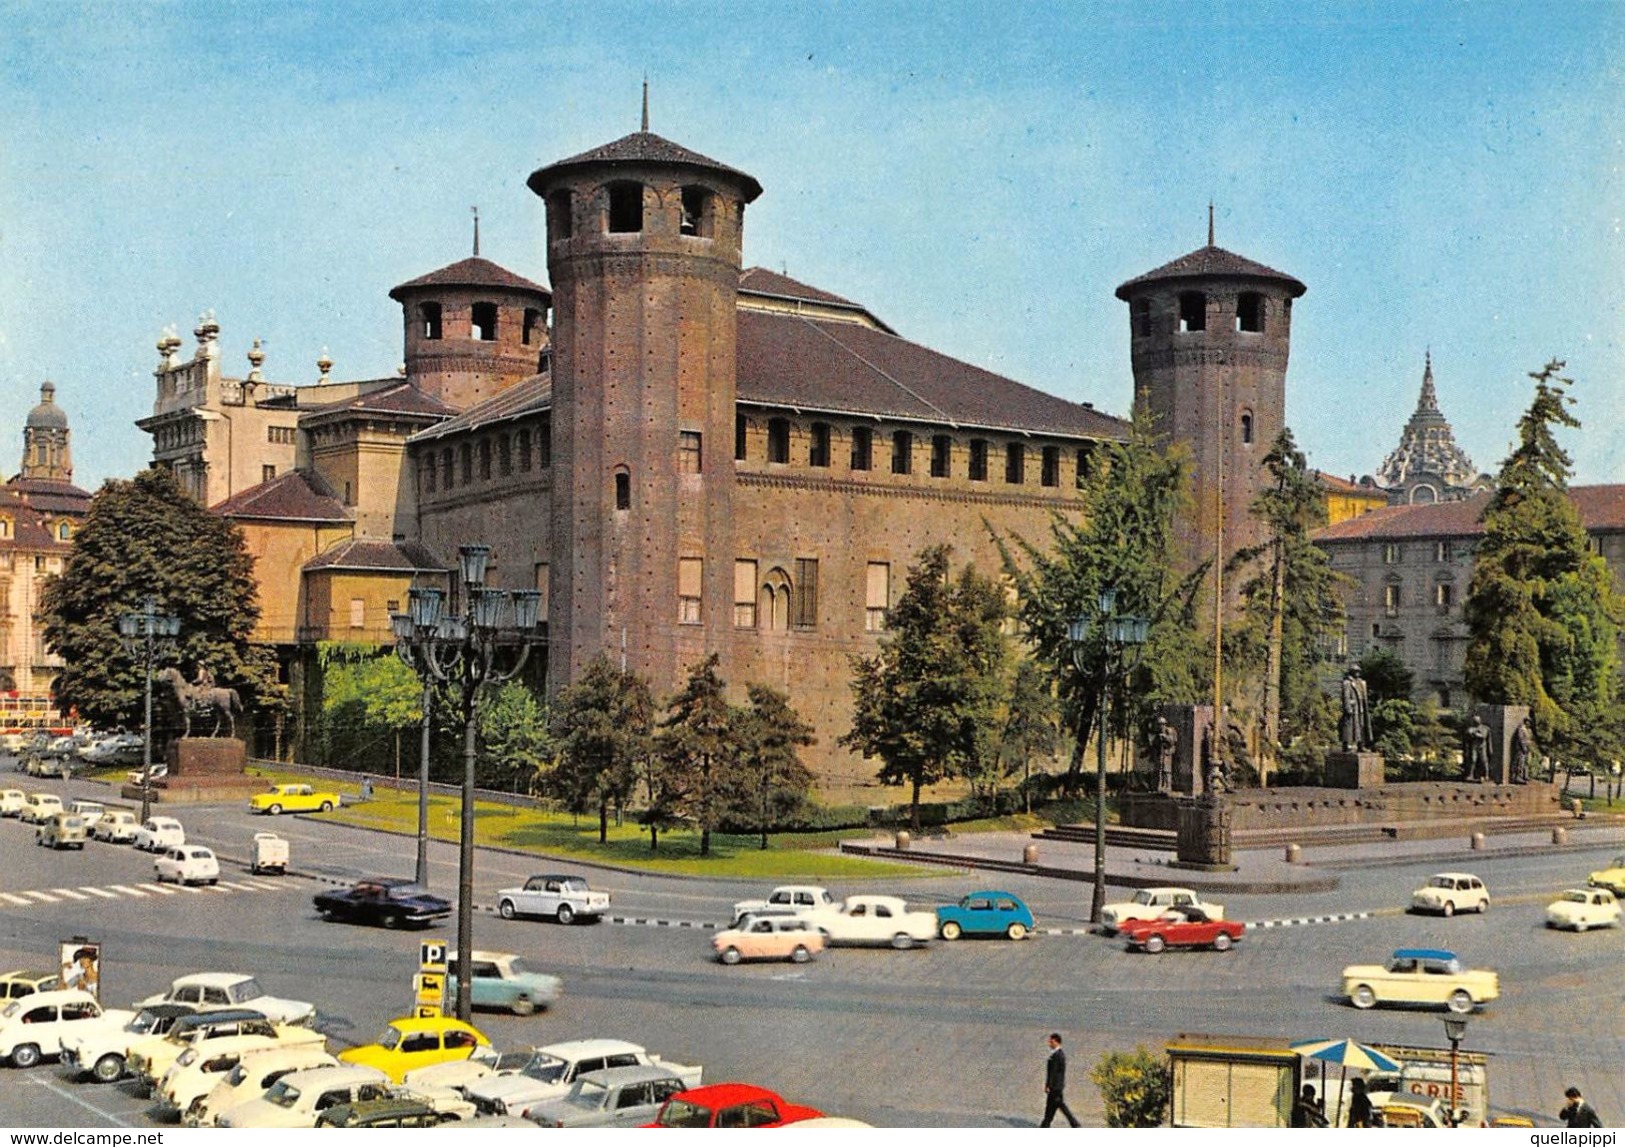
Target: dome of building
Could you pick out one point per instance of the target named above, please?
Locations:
(47, 415)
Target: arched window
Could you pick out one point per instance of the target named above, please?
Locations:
(623, 490)
(533, 320)
(902, 452)
(625, 207)
(63, 531)
(445, 468)
(1250, 312)
(778, 440)
(697, 213)
(485, 322)
(1140, 312)
(1246, 427)
(1192, 311)
(430, 314)
(776, 600)
(560, 209)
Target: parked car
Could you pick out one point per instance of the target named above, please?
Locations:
(391, 1111)
(269, 854)
(412, 1042)
(874, 920)
(293, 798)
(40, 807)
(1184, 927)
(1611, 878)
(91, 811)
(1422, 976)
(459, 1074)
(796, 898)
(35, 1025)
(64, 830)
(614, 1097)
(213, 991)
(116, 826)
(151, 1059)
(565, 898)
(1582, 908)
(12, 802)
(1405, 1110)
(503, 980)
(188, 864)
(1451, 892)
(159, 832)
(159, 771)
(297, 1099)
(552, 1070)
(14, 985)
(792, 938)
(985, 914)
(731, 1105)
(388, 902)
(253, 1076)
(1149, 903)
(199, 1069)
(103, 1049)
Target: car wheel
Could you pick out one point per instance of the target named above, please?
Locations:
(327, 806)
(951, 930)
(1460, 1002)
(1222, 942)
(108, 1068)
(1483, 905)
(565, 914)
(1449, 908)
(275, 810)
(391, 920)
(902, 941)
(1016, 931)
(506, 910)
(800, 955)
(214, 880)
(1155, 943)
(1363, 997)
(25, 1055)
(730, 956)
(524, 1006)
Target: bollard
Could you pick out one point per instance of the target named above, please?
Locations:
(1293, 853)
(1029, 855)
(1578, 808)
(1560, 836)
(902, 841)
(1478, 840)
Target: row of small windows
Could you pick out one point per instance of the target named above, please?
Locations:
(622, 212)
(1251, 308)
(1444, 596)
(281, 435)
(63, 531)
(1393, 553)
(497, 457)
(778, 599)
(903, 443)
(483, 323)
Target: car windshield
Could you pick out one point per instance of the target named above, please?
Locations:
(1576, 897)
(1442, 882)
(589, 1093)
(518, 967)
(390, 1038)
(244, 990)
(545, 1068)
(574, 884)
(1142, 897)
(144, 1022)
(238, 1074)
(283, 1093)
(407, 891)
(681, 1113)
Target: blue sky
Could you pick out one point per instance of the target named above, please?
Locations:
(981, 176)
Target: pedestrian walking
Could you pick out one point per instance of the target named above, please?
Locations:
(1308, 1111)
(366, 788)
(1360, 1106)
(1578, 1113)
(1055, 1083)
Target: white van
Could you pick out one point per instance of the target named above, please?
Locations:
(252, 1077)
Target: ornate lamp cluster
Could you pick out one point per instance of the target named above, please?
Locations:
(1104, 638)
(487, 645)
(148, 635)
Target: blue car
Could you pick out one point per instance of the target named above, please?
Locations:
(985, 914)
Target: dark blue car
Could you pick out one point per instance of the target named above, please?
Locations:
(985, 914)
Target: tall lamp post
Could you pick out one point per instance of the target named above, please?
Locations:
(1455, 1030)
(413, 630)
(488, 645)
(146, 635)
(1105, 637)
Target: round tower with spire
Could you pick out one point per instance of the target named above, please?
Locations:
(643, 253)
(1210, 337)
(45, 440)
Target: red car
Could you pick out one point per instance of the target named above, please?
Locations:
(1182, 927)
(730, 1105)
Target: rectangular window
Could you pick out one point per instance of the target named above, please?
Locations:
(1390, 599)
(978, 460)
(741, 429)
(1441, 551)
(358, 613)
(484, 322)
(690, 575)
(745, 593)
(1051, 472)
(1390, 553)
(281, 435)
(446, 468)
(804, 608)
(876, 596)
(1443, 595)
(1083, 464)
(941, 452)
(504, 456)
(863, 446)
(818, 448)
(485, 459)
(1015, 463)
(688, 451)
(902, 452)
(778, 440)
(428, 476)
(267, 473)
(524, 451)
(465, 455)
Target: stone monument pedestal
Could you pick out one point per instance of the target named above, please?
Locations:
(197, 757)
(202, 770)
(1357, 770)
(1204, 834)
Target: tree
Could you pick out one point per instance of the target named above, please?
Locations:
(601, 729)
(517, 747)
(1135, 1087)
(774, 780)
(1387, 677)
(365, 695)
(1541, 608)
(145, 537)
(699, 747)
(1031, 723)
(926, 703)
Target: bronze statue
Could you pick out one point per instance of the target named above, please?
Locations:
(1165, 744)
(1523, 751)
(1354, 729)
(201, 697)
(1477, 764)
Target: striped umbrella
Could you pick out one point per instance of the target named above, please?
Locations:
(1348, 1053)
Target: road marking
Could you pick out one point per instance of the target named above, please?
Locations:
(127, 890)
(42, 897)
(1300, 921)
(159, 888)
(225, 884)
(102, 892)
(16, 899)
(188, 888)
(70, 894)
(68, 1095)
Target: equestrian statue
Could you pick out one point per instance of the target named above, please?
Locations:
(202, 696)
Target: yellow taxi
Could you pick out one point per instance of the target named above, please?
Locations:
(410, 1043)
(1611, 878)
(292, 798)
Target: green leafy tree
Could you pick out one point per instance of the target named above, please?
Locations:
(927, 702)
(146, 537)
(1387, 677)
(516, 746)
(1136, 1087)
(699, 747)
(367, 697)
(601, 729)
(774, 782)
(1031, 727)
(1541, 608)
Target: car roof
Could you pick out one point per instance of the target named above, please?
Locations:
(58, 996)
(723, 1094)
(332, 1073)
(430, 1023)
(388, 881)
(210, 979)
(992, 892)
(580, 1048)
(26, 974)
(492, 957)
(639, 1073)
(1423, 954)
(168, 1009)
(1454, 875)
(220, 1016)
(557, 876)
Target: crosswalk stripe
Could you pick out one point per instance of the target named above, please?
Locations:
(189, 888)
(102, 892)
(42, 897)
(159, 888)
(224, 884)
(14, 898)
(127, 890)
(70, 894)
(266, 885)
(28, 899)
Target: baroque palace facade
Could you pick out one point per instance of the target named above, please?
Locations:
(686, 456)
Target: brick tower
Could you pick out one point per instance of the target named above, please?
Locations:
(643, 252)
(1211, 333)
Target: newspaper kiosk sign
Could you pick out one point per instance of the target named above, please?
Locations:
(429, 985)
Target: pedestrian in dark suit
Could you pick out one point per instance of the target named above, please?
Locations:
(1578, 1113)
(1055, 1083)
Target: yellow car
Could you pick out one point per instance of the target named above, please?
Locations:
(410, 1043)
(1420, 976)
(1611, 878)
(292, 798)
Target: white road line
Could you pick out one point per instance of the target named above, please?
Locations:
(159, 888)
(71, 894)
(42, 897)
(15, 899)
(102, 892)
(224, 884)
(265, 885)
(68, 1095)
(127, 890)
(188, 888)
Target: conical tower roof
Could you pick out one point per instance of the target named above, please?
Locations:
(1428, 445)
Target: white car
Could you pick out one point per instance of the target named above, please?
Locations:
(874, 920)
(296, 1100)
(116, 826)
(564, 898)
(89, 811)
(1150, 903)
(1582, 908)
(212, 991)
(554, 1068)
(798, 899)
(188, 864)
(1451, 892)
(159, 832)
(12, 802)
(252, 1077)
(35, 1026)
(458, 1074)
(103, 1048)
(40, 807)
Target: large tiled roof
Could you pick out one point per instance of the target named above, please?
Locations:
(29, 531)
(763, 281)
(791, 360)
(471, 272)
(297, 496)
(1211, 261)
(1338, 485)
(641, 147)
(50, 495)
(1602, 509)
(522, 398)
(378, 556)
(398, 397)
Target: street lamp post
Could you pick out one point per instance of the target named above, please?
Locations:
(412, 630)
(1455, 1030)
(146, 635)
(488, 645)
(1106, 635)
